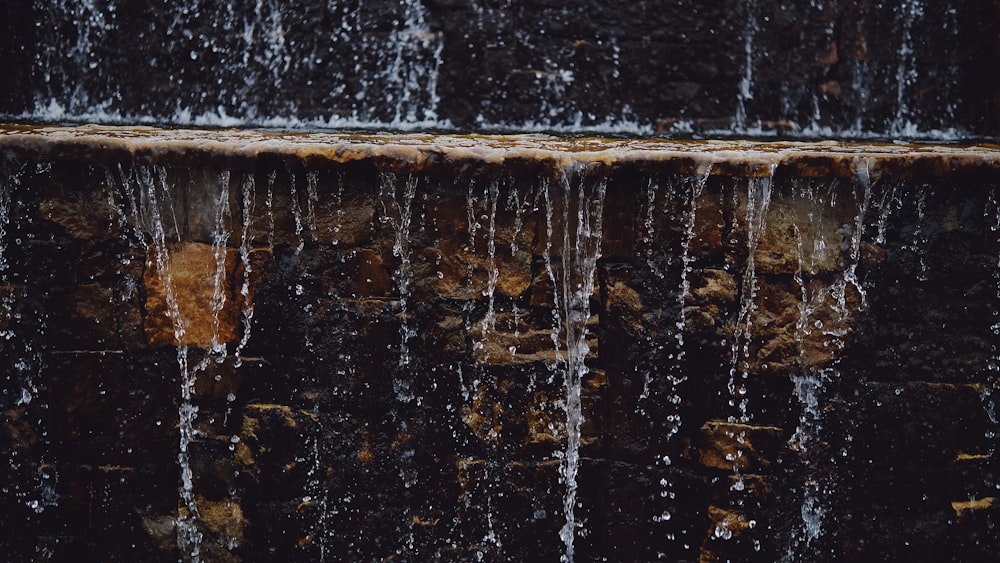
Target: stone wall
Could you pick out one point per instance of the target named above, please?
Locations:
(830, 68)
(305, 353)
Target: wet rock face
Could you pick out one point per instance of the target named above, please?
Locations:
(404, 365)
(901, 68)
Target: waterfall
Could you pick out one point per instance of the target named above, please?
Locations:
(398, 213)
(758, 198)
(413, 65)
(744, 91)
(578, 252)
(906, 71)
(149, 183)
(469, 348)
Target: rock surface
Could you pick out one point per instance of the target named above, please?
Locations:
(773, 366)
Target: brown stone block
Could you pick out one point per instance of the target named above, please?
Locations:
(485, 417)
(221, 377)
(969, 509)
(786, 331)
(564, 213)
(221, 524)
(728, 520)
(804, 228)
(191, 272)
(669, 219)
(272, 217)
(344, 220)
(731, 446)
(363, 274)
(514, 340)
(17, 433)
(212, 206)
(706, 238)
(625, 304)
(541, 294)
(101, 317)
(546, 416)
(619, 222)
(271, 443)
(85, 213)
(716, 289)
(454, 258)
(727, 536)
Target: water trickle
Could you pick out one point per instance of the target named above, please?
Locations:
(312, 196)
(745, 88)
(413, 72)
(248, 193)
(758, 199)
(151, 183)
(397, 211)
(579, 250)
(220, 239)
(866, 177)
(6, 181)
(906, 71)
(919, 236)
(990, 393)
(296, 209)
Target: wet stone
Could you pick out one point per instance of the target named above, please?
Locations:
(190, 281)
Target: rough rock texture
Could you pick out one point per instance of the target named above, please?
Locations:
(777, 367)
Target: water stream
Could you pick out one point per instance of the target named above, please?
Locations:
(402, 64)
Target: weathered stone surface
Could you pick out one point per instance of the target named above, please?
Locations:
(807, 234)
(352, 422)
(84, 215)
(264, 427)
(212, 205)
(513, 340)
(189, 281)
(222, 524)
(792, 326)
(746, 448)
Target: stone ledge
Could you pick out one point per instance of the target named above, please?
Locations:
(507, 153)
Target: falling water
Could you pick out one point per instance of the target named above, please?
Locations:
(413, 72)
(809, 387)
(745, 88)
(990, 393)
(149, 182)
(485, 382)
(6, 179)
(248, 192)
(397, 212)
(758, 199)
(574, 285)
(906, 72)
(675, 375)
